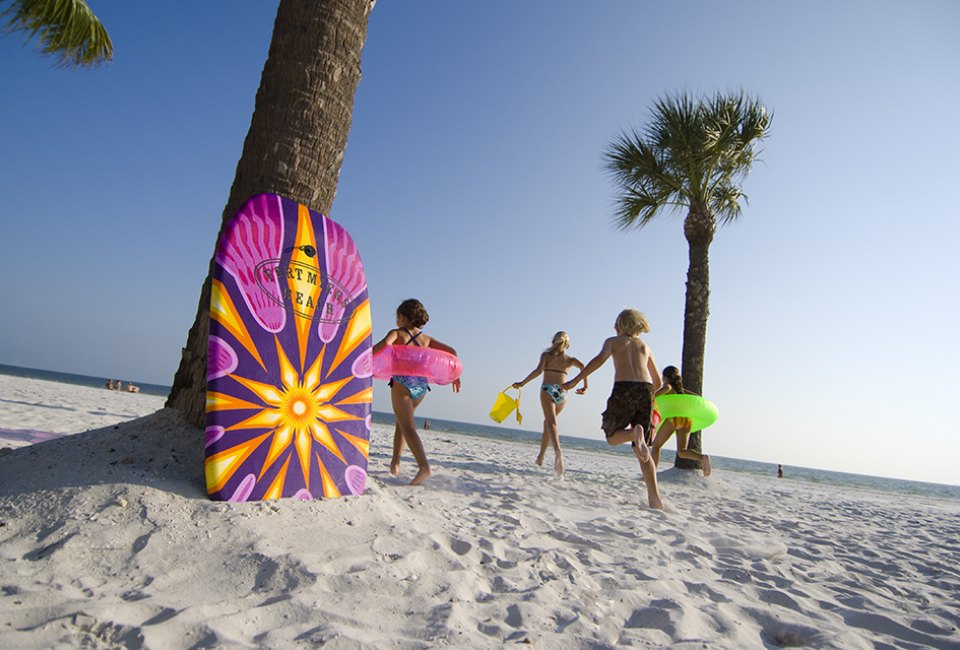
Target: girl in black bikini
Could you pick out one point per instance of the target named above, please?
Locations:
(407, 392)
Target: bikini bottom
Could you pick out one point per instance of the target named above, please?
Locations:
(416, 386)
(556, 393)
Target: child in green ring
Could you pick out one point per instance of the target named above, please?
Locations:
(673, 385)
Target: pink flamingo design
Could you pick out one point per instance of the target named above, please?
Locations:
(345, 270)
(221, 358)
(256, 236)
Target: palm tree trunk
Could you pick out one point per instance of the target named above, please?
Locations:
(698, 228)
(296, 142)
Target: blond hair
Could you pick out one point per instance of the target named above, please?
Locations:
(561, 341)
(632, 323)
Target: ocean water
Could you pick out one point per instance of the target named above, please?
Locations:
(840, 480)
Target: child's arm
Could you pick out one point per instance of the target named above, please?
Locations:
(533, 373)
(386, 340)
(576, 362)
(438, 345)
(593, 364)
(654, 373)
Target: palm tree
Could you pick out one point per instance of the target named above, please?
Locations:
(694, 154)
(66, 29)
(296, 142)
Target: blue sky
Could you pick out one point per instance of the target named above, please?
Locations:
(473, 181)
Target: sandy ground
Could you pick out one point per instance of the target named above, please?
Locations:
(108, 540)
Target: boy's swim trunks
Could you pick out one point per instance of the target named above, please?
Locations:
(630, 404)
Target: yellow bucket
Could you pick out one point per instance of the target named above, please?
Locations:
(504, 405)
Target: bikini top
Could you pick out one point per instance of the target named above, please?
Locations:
(413, 337)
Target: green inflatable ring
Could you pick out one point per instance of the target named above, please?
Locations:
(702, 411)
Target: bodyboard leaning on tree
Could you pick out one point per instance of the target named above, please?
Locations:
(289, 372)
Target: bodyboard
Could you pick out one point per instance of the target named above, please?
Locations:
(289, 366)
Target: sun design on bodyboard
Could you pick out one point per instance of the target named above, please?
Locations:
(288, 414)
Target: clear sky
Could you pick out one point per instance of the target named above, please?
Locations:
(473, 181)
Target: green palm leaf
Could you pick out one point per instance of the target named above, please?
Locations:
(693, 152)
(66, 29)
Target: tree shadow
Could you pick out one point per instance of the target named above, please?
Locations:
(159, 450)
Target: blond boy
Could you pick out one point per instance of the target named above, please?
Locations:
(630, 406)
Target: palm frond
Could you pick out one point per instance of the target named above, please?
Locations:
(693, 151)
(725, 203)
(647, 183)
(65, 29)
(637, 207)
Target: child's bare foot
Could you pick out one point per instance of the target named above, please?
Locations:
(421, 476)
(394, 467)
(539, 460)
(705, 461)
(656, 503)
(558, 465)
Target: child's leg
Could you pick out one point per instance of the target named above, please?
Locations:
(403, 408)
(640, 449)
(547, 405)
(551, 433)
(555, 439)
(620, 436)
(663, 434)
(397, 450)
(649, 471)
(683, 437)
(647, 468)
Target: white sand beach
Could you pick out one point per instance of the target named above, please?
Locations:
(34, 410)
(107, 540)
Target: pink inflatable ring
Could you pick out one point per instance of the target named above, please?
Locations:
(437, 366)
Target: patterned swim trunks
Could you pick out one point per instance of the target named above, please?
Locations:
(630, 404)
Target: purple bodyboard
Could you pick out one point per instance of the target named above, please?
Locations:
(289, 369)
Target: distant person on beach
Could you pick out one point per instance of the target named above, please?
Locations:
(132, 389)
(109, 385)
(673, 385)
(406, 392)
(779, 471)
(118, 385)
(630, 406)
(554, 362)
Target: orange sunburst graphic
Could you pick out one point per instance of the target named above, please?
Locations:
(224, 311)
(297, 414)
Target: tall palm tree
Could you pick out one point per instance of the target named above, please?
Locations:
(296, 142)
(66, 29)
(694, 154)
